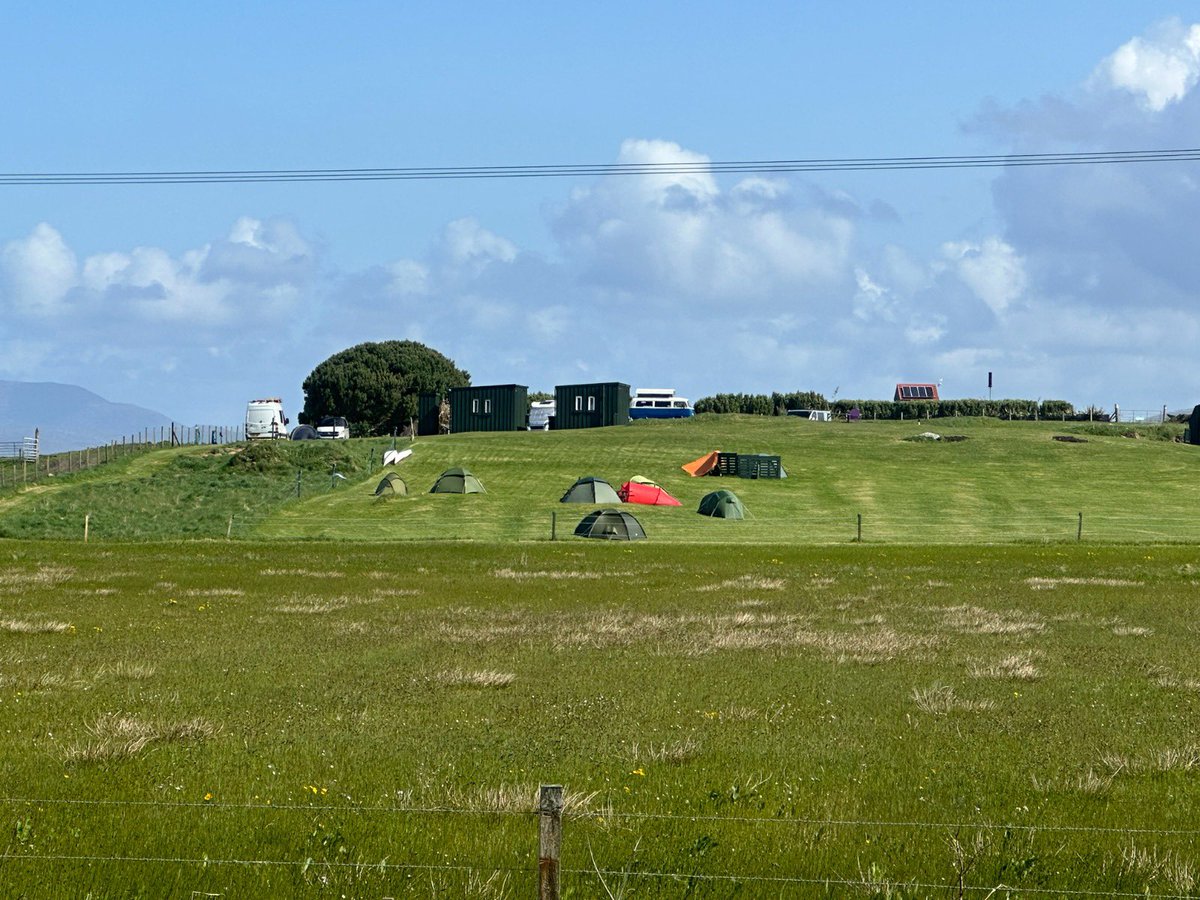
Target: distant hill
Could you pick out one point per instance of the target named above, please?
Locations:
(68, 417)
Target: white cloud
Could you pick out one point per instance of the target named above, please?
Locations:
(993, 270)
(678, 236)
(872, 300)
(465, 243)
(37, 272)
(1159, 68)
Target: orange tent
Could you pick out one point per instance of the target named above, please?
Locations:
(703, 465)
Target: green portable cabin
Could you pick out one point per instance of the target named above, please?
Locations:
(591, 405)
(457, 481)
(611, 525)
(493, 407)
(722, 504)
(1193, 429)
(429, 410)
(590, 490)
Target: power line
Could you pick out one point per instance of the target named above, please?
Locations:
(433, 173)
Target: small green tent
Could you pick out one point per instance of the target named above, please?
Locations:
(612, 525)
(457, 481)
(392, 485)
(590, 490)
(722, 504)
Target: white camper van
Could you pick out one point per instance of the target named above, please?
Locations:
(540, 413)
(265, 419)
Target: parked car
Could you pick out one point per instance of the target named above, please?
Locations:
(333, 427)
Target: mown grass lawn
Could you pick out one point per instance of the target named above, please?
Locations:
(1006, 481)
(278, 718)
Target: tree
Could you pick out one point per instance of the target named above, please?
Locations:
(376, 385)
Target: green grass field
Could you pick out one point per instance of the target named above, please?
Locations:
(1008, 481)
(359, 698)
(276, 719)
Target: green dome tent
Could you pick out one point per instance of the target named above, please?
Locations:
(457, 481)
(590, 490)
(612, 525)
(392, 485)
(722, 504)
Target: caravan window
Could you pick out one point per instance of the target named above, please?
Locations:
(644, 403)
(681, 404)
(662, 404)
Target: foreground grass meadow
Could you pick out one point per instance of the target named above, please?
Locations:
(271, 718)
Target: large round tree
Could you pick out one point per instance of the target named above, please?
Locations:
(375, 385)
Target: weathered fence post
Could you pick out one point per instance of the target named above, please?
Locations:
(554, 526)
(550, 806)
(1079, 531)
(859, 539)
(87, 520)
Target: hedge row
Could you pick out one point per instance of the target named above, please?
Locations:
(777, 404)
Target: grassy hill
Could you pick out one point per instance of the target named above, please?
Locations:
(1005, 481)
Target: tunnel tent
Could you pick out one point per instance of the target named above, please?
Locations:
(612, 525)
(722, 504)
(702, 465)
(457, 481)
(646, 494)
(590, 489)
(304, 433)
(392, 485)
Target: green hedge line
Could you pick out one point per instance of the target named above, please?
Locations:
(777, 404)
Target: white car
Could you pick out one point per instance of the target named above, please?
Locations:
(333, 427)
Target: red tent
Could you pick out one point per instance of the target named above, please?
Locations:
(649, 494)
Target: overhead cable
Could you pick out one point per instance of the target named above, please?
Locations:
(677, 167)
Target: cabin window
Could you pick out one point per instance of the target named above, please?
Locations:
(475, 405)
(578, 402)
(591, 404)
(487, 406)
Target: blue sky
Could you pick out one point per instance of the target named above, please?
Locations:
(1076, 284)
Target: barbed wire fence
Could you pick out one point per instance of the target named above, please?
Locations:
(552, 824)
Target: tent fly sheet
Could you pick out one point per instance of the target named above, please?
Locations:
(590, 490)
(646, 494)
(457, 481)
(611, 525)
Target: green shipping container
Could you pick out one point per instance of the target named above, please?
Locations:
(429, 406)
(591, 405)
(495, 407)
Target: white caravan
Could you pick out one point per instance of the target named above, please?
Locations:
(265, 419)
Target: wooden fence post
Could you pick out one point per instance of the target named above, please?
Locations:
(553, 526)
(87, 519)
(550, 806)
(1079, 532)
(860, 528)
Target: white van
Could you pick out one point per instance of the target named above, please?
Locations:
(265, 419)
(540, 413)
